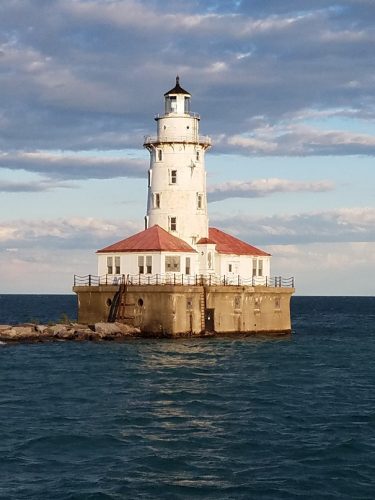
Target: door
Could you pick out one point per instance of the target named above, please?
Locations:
(209, 320)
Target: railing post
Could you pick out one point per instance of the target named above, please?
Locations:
(266, 280)
(174, 278)
(89, 279)
(182, 279)
(238, 280)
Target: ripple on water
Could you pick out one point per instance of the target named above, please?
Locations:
(211, 418)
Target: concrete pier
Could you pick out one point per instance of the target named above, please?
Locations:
(176, 310)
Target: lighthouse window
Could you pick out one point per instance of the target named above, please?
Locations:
(109, 265)
(148, 264)
(254, 267)
(173, 101)
(209, 260)
(173, 176)
(199, 200)
(187, 104)
(141, 264)
(117, 265)
(187, 265)
(197, 156)
(260, 268)
(230, 268)
(160, 155)
(172, 264)
(156, 200)
(173, 223)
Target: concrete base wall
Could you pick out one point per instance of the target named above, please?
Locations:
(181, 310)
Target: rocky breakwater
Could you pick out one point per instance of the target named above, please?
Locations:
(30, 332)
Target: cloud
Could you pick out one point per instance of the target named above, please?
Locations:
(31, 187)
(302, 140)
(263, 187)
(90, 76)
(344, 268)
(75, 233)
(339, 225)
(72, 166)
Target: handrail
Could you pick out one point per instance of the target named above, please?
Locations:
(201, 139)
(182, 279)
(192, 114)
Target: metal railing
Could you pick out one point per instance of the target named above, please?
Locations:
(202, 139)
(182, 279)
(192, 114)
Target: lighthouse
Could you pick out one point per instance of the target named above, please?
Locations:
(177, 199)
(179, 276)
(177, 238)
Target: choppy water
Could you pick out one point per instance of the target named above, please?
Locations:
(236, 418)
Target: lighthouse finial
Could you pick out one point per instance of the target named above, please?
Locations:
(177, 80)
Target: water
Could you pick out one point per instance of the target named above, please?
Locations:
(227, 417)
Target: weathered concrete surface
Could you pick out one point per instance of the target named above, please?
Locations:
(71, 331)
(173, 310)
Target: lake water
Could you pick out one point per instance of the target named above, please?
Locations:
(214, 418)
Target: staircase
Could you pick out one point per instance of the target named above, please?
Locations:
(121, 310)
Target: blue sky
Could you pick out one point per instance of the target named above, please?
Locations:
(286, 90)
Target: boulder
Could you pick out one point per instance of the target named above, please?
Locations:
(18, 333)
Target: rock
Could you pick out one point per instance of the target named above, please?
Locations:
(41, 328)
(128, 329)
(30, 332)
(57, 330)
(18, 333)
(107, 328)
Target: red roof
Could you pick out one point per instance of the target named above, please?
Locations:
(225, 243)
(153, 239)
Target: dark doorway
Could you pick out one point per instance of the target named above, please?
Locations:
(209, 320)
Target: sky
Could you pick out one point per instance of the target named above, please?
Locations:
(285, 89)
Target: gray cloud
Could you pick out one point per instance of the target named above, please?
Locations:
(32, 187)
(340, 225)
(68, 166)
(90, 75)
(76, 233)
(263, 187)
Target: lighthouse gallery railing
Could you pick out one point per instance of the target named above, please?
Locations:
(182, 279)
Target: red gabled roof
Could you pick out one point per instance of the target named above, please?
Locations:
(153, 239)
(225, 243)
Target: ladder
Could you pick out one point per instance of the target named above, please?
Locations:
(121, 311)
(202, 304)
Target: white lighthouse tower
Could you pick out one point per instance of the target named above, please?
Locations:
(177, 177)
(177, 239)
(178, 275)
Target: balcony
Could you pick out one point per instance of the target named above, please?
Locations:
(202, 140)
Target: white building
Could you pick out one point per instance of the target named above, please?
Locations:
(177, 243)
